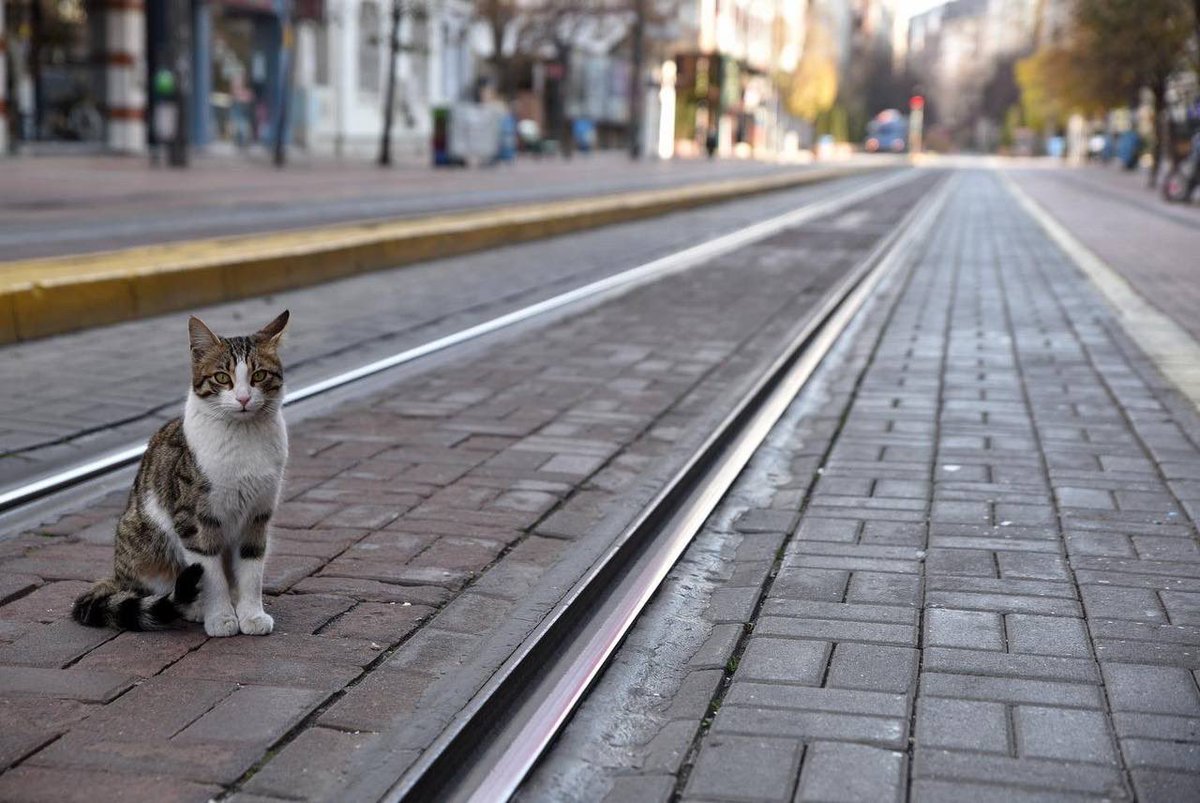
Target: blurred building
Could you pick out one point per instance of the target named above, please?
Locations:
(74, 72)
(957, 49)
(725, 58)
(110, 74)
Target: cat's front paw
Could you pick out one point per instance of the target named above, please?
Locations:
(221, 624)
(257, 624)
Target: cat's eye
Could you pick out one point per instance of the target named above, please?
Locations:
(258, 376)
(221, 377)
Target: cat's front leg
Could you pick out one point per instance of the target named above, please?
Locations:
(248, 565)
(204, 546)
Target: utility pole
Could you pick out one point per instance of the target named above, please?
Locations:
(637, 89)
(179, 22)
(389, 103)
(287, 59)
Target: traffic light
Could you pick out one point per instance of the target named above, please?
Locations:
(916, 102)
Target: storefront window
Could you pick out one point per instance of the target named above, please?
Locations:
(56, 78)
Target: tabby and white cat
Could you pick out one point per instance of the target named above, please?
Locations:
(193, 538)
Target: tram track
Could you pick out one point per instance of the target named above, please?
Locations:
(499, 735)
(22, 503)
(497, 739)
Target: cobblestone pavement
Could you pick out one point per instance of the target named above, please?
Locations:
(72, 396)
(1152, 244)
(425, 530)
(963, 567)
(51, 207)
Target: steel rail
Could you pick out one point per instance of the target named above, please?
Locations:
(487, 749)
(16, 496)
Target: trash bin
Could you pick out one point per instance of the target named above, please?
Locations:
(1128, 146)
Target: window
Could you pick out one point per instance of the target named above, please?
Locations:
(368, 51)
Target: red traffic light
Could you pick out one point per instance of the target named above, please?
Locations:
(916, 102)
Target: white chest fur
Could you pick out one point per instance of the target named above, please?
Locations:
(242, 461)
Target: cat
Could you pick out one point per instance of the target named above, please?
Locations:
(192, 541)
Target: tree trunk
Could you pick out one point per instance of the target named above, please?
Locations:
(389, 101)
(636, 89)
(1159, 89)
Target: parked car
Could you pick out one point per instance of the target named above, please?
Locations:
(887, 133)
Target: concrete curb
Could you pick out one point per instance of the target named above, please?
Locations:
(42, 297)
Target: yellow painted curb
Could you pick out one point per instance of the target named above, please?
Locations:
(41, 297)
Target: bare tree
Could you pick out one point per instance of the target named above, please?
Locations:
(416, 10)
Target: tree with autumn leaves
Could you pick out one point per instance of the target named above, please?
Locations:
(1113, 50)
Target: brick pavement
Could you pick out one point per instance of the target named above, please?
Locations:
(968, 569)
(424, 531)
(1152, 244)
(116, 384)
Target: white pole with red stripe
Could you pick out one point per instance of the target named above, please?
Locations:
(125, 75)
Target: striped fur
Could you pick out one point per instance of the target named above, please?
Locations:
(193, 538)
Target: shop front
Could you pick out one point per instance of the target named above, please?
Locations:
(54, 73)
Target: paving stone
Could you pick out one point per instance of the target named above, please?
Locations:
(745, 768)
(935, 791)
(962, 725)
(718, 648)
(1063, 734)
(66, 786)
(381, 622)
(980, 630)
(254, 714)
(766, 521)
(1122, 603)
(1157, 726)
(1161, 786)
(305, 613)
(837, 630)
(377, 702)
(1053, 777)
(1077, 670)
(1151, 689)
(810, 725)
(1046, 635)
(819, 584)
(93, 685)
(156, 709)
(54, 645)
(213, 762)
(1159, 753)
(874, 667)
(850, 701)
(786, 660)
(317, 765)
(851, 773)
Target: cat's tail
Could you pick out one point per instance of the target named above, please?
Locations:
(107, 604)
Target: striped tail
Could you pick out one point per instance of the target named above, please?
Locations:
(107, 604)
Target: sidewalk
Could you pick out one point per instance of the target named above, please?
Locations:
(1153, 244)
(964, 566)
(56, 206)
(1045, 619)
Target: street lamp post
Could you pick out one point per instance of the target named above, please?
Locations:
(288, 55)
(637, 87)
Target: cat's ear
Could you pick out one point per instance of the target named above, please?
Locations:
(201, 337)
(273, 332)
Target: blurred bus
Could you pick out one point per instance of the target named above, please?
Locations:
(887, 132)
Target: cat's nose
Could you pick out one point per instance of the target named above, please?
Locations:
(243, 399)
